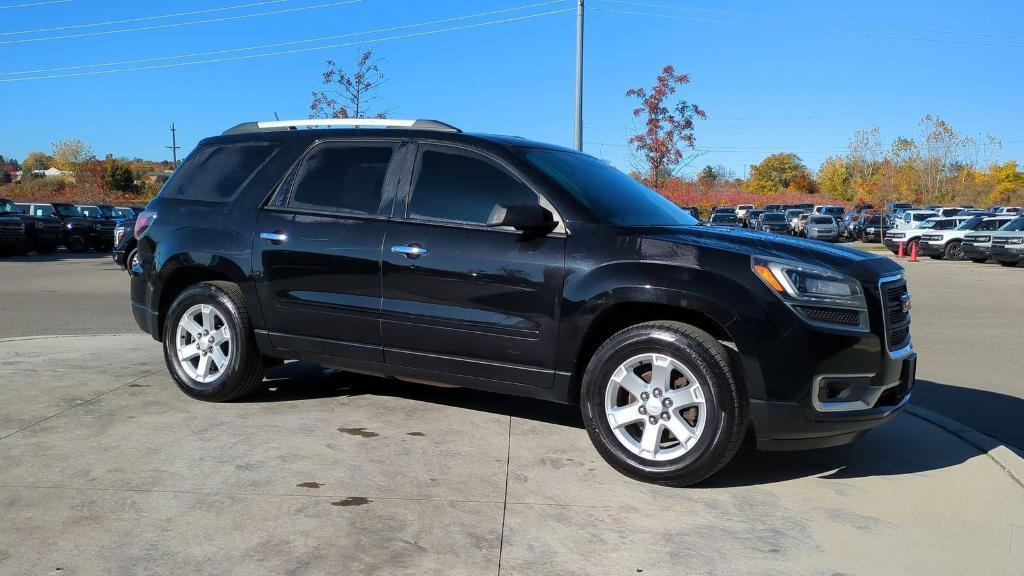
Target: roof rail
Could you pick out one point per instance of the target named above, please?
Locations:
(247, 127)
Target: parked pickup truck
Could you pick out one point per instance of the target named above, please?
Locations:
(414, 251)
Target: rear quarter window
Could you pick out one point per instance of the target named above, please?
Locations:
(217, 172)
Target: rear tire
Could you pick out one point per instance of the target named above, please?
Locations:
(208, 342)
(129, 260)
(663, 360)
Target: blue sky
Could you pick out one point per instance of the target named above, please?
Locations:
(779, 76)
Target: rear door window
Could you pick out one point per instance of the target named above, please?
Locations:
(457, 186)
(217, 172)
(342, 177)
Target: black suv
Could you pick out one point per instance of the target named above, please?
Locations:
(82, 232)
(42, 233)
(12, 236)
(502, 264)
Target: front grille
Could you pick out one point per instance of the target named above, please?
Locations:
(897, 320)
(977, 238)
(831, 315)
(1000, 240)
(12, 227)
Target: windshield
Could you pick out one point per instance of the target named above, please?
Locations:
(790, 214)
(773, 217)
(930, 223)
(822, 220)
(1015, 225)
(8, 207)
(605, 190)
(755, 213)
(969, 224)
(874, 221)
(833, 211)
(724, 219)
(68, 209)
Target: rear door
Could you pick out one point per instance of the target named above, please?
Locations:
(463, 298)
(317, 250)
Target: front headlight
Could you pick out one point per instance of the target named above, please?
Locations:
(1015, 241)
(805, 284)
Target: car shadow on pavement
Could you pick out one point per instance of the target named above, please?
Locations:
(60, 255)
(908, 445)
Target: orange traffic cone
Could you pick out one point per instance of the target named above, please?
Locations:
(913, 252)
(900, 254)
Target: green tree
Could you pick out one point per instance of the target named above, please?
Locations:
(778, 172)
(37, 160)
(834, 178)
(117, 175)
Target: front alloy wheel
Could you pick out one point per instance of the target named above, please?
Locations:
(204, 343)
(661, 403)
(655, 407)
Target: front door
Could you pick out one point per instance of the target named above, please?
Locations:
(460, 297)
(317, 251)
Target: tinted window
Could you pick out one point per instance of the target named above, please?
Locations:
(217, 172)
(724, 219)
(605, 191)
(42, 210)
(461, 188)
(342, 177)
(822, 220)
(989, 225)
(773, 217)
(945, 224)
(1015, 225)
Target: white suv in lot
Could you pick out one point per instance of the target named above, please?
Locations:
(911, 219)
(947, 244)
(1008, 243)
(911, 236)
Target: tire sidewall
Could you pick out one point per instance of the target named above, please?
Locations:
(204, 294)
(687, 352)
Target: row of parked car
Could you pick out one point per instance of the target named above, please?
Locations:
(44, 227)
(816, 222)
(966, 236)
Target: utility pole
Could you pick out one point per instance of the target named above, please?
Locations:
(579, 76)
(174, 145)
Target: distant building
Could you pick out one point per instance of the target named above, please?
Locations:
(157, 176)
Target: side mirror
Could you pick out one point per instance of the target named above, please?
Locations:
(531, 218)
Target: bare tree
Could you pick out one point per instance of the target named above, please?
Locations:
(351, 95)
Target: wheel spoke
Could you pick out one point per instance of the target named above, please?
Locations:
(631, 382)
(203, 370)
(222, 335)
(681, 430)
(189, 324)
(649, 440)
(661, 371)
(187, 352)
(208, 318)
(624, 415)
(219, 359)
(683, 397)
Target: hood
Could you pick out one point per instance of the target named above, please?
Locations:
(80, 221)
(861, 265)
(9, 219)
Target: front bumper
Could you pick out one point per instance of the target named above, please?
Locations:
(8, 239)
(931, 248)
(829, 236)
(974, 251)
(1003, 253)
(816, 423)
(894, 245)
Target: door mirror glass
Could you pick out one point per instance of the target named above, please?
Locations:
(531, 217)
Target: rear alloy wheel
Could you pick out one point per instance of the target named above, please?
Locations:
(208, 343)
(661, 405)
(131, 260)
(954, 251)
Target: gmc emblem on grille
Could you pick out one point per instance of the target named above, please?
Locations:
(905, 301)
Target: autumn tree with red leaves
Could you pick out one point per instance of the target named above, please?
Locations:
(350, 95)
(668, 127)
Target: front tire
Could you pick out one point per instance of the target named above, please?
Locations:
(77, 243)
(208, 343)
(661, 404)
(953, 251)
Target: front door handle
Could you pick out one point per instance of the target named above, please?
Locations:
(275, 237)
(410, 250)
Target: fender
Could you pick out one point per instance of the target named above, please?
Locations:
(726, 302)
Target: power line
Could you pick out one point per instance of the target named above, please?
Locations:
(29, 4)
(287, 52)
(800, 29)
(141, 18)
(180, 24)
(280, 44)
(812, 20)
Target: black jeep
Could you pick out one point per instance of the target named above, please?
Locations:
(82, 232)
(12, 236)
(42, 233)
(418, 252)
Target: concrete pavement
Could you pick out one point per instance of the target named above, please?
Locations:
(109, 469)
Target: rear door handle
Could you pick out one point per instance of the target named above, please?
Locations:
(410, 250)
(275, 237)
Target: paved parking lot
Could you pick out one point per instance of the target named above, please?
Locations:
(108, 469)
